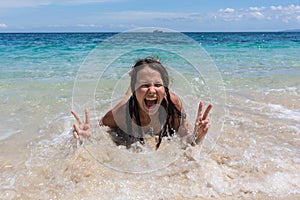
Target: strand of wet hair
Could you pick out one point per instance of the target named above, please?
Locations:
(173, 108)
(129, 119)
(161, 116)
(137, 118)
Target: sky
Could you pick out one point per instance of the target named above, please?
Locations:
(124, 15)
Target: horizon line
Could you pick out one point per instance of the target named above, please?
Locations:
(253, 31)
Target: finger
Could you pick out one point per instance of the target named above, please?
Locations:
(87, 116)
(76, 117)
(207, 111)
(76, 129)
(204, 122)
(75, 133)
(200, 110)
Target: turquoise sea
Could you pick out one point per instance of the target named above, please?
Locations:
(251, 152)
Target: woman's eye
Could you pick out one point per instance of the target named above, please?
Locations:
(145, 85)
(149, 85)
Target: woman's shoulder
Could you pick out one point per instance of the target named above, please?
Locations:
(114, 116)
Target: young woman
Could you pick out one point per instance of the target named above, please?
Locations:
(152, 109)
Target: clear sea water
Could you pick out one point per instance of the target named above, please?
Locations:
(252, 150)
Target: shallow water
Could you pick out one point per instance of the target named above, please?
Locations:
(255, 155)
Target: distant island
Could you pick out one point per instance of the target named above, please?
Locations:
(157, 31)
(291, 30)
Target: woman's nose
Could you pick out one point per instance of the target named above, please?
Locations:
(151, 89)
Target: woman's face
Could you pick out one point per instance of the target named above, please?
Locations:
(149, 90)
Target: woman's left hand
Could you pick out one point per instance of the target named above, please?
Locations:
(83, 128)
(202, 123)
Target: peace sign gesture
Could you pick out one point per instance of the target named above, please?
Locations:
(83, 128)
(202, 123)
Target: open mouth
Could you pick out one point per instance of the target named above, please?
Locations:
(150, 102)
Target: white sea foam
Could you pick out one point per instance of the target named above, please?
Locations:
(6, 133)
(282, 112)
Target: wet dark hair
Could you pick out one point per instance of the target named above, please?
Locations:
(153, 64)
(169, 107)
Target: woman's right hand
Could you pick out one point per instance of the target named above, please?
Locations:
(82, 128)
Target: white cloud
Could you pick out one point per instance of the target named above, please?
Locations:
(274, 13)
(285, 13)
(290, 9)
(226, 10)
(277, 13)
(276, 7)
(257, 8)
(257, 15)
(226, 14)
(2, 25)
